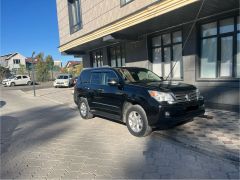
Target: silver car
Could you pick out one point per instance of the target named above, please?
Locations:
(63, 80)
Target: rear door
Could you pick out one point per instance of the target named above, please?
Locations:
(95, 91)
(25, 80)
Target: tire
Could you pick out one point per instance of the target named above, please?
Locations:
(137, 122)
(29, 83)
(84, 109)
(12, 84)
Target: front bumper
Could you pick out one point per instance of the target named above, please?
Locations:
(60, 84)
(173, 114)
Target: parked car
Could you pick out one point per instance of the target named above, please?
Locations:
(17, 80)
(137, 97)
(63, 80)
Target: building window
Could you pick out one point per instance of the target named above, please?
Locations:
(167, 55)
(16, 61)
(117, 56)
(124, 2)
(97, 58)
(220, 49)
(75, 20)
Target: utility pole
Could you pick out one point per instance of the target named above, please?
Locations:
(33, 76)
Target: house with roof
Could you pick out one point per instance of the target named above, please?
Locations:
(71, 66)
(12, 61)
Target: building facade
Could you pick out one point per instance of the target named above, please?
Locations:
(191, 41)
(12, 61)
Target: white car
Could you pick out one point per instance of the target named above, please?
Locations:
(63, 80)
(17, 80)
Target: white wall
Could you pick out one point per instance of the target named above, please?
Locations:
(17, 56)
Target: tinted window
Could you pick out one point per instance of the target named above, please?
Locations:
(24, 77)
(65, 77)
(110, 76)
(85, 76)
(97, 78)
(18, 77)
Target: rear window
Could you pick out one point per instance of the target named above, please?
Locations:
(85, 76)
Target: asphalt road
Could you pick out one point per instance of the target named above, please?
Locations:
(42, 139)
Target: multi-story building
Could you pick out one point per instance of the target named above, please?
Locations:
(192, 41)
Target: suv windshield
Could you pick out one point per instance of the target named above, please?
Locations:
(62, 77)
(138, 74)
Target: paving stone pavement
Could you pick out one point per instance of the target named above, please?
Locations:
(219, 135)
(42, 139)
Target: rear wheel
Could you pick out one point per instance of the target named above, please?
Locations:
(137, 122)
(84, 109)
(29, 83)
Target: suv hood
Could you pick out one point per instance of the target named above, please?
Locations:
(165, 86)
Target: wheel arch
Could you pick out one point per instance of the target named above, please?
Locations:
(126, 106)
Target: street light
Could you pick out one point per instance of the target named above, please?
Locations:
(34, 93)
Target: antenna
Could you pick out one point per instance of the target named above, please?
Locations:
(190, 32)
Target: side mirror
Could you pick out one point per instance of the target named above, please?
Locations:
(112, 82)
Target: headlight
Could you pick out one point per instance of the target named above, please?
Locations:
(161, 96)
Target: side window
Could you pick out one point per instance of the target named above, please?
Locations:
(110, 76)
(97, 78)
(65, 77)
(123, 2)
(18, 77)
(85, 77)
(25, 77)
(75, 15)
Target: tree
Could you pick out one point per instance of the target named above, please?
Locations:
(4, 72)
(42, 71)
(77, 69)
(40, 56)
(22, 69)
(50, 64)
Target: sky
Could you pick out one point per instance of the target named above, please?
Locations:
(30, 25)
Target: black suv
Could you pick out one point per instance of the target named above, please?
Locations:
(137, 97)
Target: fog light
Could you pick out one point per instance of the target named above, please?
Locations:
(167, 114)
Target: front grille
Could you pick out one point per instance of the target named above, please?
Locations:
(186, 96)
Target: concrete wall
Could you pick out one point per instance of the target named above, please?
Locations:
(95, 14)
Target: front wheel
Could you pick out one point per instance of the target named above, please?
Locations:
(84, 109)
(137, 122)
(12, 84)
